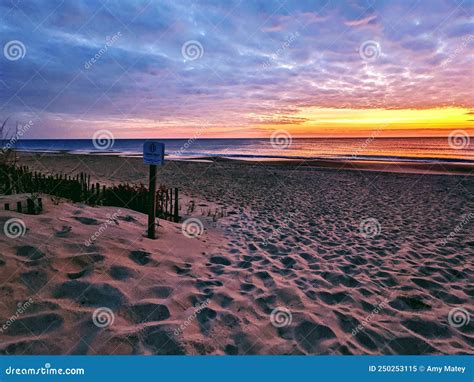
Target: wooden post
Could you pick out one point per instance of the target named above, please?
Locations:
(170, 218)
(30, 206)
(176, 200)
(152, 202)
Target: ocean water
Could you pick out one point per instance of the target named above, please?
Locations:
(391, 149)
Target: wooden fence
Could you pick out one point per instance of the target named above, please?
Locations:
(79, 188)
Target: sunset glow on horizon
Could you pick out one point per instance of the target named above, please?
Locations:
(239, 69)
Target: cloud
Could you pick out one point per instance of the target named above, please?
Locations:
(263, 59)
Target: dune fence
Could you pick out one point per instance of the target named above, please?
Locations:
(79, 188)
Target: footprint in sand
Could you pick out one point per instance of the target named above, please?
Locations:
(205, 319)
(78, 266)
(406, 303)
(427, 328)
(37, 325)
(288, 261)
(118, 272)
(87, 294)
(34, 280)
(223, 300)
(310, 335)
(266, 278)
(335, 298)
(81, 248)
(266, 303)
(161, 341)
(32, 253)
(64, 232)
(246, 287)
(78, 275)
(411, 346)
(148, 312)
(32, 347)
(140, 257)
(161, 291)
(220, 260)
(182, 270)
(127, 218)
(86, 221)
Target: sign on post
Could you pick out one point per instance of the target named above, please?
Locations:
(154, 155)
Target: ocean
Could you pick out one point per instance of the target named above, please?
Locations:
(389, 149)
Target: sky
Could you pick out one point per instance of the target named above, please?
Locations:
(234, 68)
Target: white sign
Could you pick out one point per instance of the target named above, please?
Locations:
(154, 153)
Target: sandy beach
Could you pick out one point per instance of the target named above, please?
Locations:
(305, 260)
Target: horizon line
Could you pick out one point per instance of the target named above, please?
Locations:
(230, 138)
